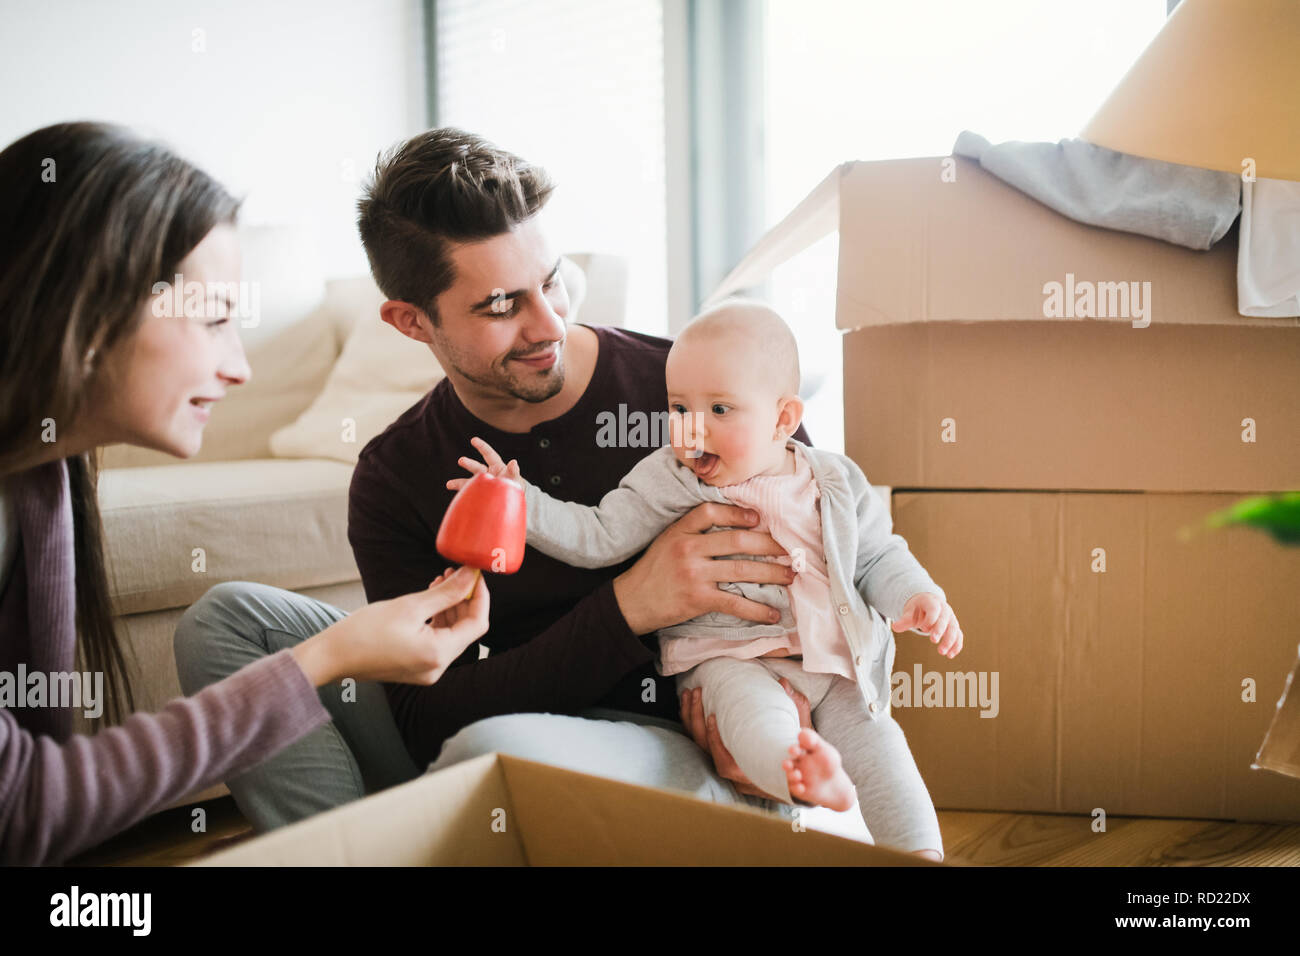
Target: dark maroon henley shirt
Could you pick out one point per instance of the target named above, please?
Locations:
(558, 641)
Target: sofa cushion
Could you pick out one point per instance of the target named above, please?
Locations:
(172, 532)
(379, 374)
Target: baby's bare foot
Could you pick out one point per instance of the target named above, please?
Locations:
(816, 775)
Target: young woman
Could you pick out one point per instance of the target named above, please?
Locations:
(94, 219)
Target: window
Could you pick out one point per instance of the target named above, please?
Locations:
(876, 79)
(576, 86)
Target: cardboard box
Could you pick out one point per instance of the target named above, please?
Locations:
(1088, 406)
(498, 810)
(955, 376)
(1122, 656)
(992, 343)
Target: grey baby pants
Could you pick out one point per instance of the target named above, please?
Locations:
(758, 723)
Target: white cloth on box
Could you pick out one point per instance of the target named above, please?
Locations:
(1268, 251)
(1184, 205)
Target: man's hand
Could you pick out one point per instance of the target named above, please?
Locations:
(928, 614)
(705, 734)
(677, 577)
(495, 466)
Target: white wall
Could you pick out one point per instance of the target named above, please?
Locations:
(287, 102)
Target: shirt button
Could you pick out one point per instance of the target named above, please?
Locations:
(544, 443)
(844, 609)
(858, 660)
(555, 479)
(872, 707)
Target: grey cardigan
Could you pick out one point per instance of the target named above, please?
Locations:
(871, 571)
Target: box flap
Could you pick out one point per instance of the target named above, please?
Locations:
(575, 819)
(817, 215)
(440, 819)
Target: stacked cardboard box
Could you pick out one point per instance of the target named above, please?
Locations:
(1056, 406)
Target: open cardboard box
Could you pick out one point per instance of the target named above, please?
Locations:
(498, 810)
(1119, 689)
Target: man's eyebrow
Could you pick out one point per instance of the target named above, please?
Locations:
(487, 301)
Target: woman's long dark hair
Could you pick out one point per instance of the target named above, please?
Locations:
(91, 218)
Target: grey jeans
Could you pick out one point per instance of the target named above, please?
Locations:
(361, 752)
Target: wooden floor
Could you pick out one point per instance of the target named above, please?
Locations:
(971, 839)
(1041, 839)
(168, 838)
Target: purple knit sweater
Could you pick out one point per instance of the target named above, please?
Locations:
(62, 793)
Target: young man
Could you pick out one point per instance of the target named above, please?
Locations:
(455, 231)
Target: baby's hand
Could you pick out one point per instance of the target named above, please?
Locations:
(495, 466)
(928, 614)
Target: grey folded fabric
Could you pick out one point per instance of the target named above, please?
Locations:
(1185, 205)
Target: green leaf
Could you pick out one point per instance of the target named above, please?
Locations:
(1279, 515)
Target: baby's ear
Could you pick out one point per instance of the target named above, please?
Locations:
(789, 414)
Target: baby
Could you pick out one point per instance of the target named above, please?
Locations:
(733, 383)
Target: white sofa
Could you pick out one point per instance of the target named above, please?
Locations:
(263, 501)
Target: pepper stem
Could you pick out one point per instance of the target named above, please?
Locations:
(477, 574)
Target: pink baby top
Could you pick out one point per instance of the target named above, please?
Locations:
(787, 507)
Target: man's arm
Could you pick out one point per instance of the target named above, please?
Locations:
(568, 666)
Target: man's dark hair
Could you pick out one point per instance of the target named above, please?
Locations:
(442, 186)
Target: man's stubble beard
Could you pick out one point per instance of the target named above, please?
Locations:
(541, 387)
(539, 390)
